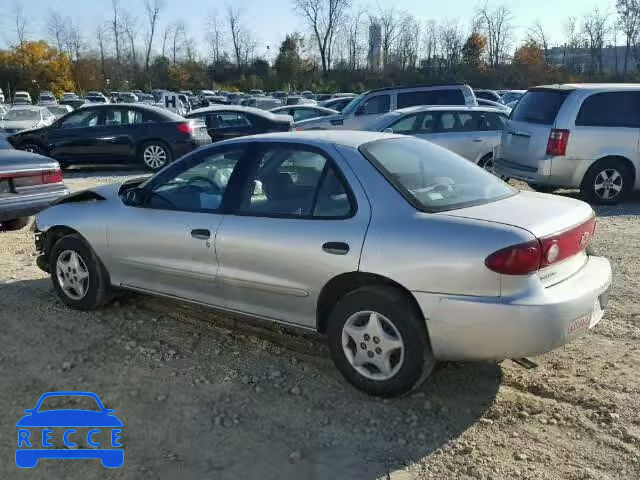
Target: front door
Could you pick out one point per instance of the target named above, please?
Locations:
(167, 243)
(372, 108)
(73, 137)
(296, 225)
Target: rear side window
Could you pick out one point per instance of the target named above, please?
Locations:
(431, 97)
(610, 109)
(539, 106)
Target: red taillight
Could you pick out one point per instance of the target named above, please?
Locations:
(186, 128)
(557, 143)
(52, 176)
(563, 245)
(516, 260)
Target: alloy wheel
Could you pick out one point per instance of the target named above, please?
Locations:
(154, 156)
(72, 274)
(373, 345)
(608, 184)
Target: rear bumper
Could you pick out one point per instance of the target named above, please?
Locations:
(27, 205)
(492, 328)
(549, 171)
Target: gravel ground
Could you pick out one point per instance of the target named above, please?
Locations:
(207, 396)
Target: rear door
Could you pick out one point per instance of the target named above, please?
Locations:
(460, 133)
(300, 221)
(525, 137)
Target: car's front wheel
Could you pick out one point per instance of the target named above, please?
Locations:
(379, 341)
(32, 148)
(155, 155)
(79, 278)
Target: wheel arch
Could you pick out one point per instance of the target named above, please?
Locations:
(55, 233)
(341, 285)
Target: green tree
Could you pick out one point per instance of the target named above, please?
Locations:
(288, 63)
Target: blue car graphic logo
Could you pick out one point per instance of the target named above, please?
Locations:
(96, 427)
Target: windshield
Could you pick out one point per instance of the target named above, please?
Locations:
(57, 110)
(352, 105)
(431, 178)
(22, 115)
(69, 402)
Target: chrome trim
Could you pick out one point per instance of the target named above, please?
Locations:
(265, 287)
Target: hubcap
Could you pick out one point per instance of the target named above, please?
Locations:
(373, 345)
(154, 156)
(608, 184)
(72, 274)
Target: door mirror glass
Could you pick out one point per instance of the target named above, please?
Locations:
(133, 197)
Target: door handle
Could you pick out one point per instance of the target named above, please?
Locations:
(478, 140)
(336, 248)
(201, 234)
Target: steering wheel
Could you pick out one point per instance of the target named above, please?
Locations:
(200, 178)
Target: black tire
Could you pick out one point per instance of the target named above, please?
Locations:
(623, 181)
(98, 289)
(33, 148)
(15, 224)
(418, 361)
(150, 146)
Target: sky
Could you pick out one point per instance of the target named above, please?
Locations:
(270, 20)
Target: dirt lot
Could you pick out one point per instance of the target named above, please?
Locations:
(205, 396)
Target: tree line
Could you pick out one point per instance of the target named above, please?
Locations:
(338, 46)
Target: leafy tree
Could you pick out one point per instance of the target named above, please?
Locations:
(473, 50)
(288, 63)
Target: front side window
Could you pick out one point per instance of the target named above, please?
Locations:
(81, 119)
(377, 105)
(405, 125)
(295, 182)
(610, 109)
(433, 180)
(199, 187)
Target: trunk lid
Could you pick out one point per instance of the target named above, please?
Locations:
(525, 136)
(541, 215)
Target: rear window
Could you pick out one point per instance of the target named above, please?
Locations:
(448, 96)
(539, 106)
(433, 179)
(610, 109)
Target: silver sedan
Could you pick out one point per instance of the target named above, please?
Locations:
(401, 252)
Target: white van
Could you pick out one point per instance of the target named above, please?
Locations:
(367, 107)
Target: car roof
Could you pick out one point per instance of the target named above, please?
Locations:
(589, 86)
(140, 106)
(442, 108)
(232, 108)
(347, 138)
(307, 106)
(421, 85)
(26, 106)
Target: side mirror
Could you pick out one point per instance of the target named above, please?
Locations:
(133, 197)
(387, 130)
(360, 111)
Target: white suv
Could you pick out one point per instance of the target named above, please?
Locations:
(367, 107)
(575, 136)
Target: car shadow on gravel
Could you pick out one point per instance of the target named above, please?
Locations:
(204, 395)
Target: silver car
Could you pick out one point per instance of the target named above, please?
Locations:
(24, 117)
(401, 252)
(472, 132)
(575, 136)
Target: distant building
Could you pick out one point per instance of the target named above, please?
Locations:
(374, 59)
(579, 59)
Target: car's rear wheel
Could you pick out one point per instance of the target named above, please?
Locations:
(79, 278)
(15, 224)
(607, 182)
(379, 341)
(155, 155)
